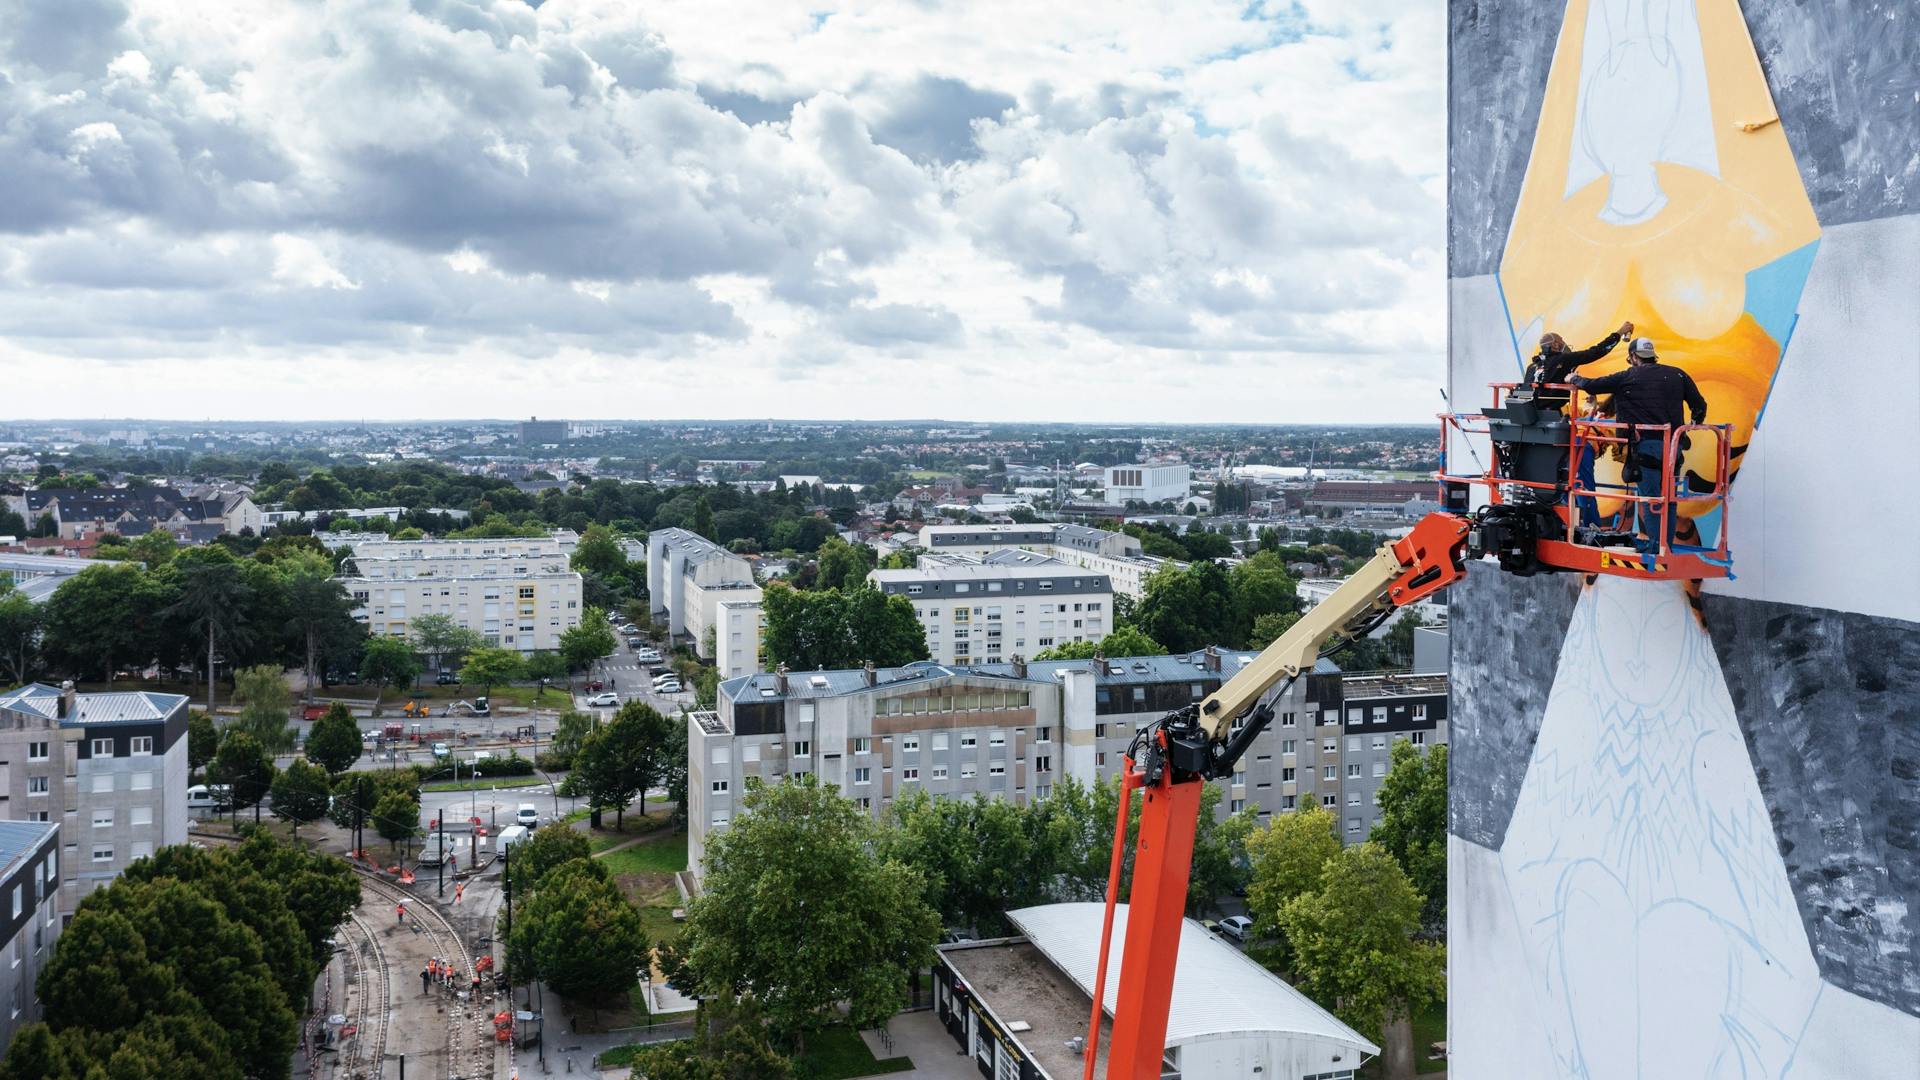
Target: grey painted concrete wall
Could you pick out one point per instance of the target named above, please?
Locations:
(1498, 54)
(1829, 703)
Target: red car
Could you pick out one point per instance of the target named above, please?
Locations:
(594, 685)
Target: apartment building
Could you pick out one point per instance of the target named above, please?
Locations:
(518, 593)
(1012, 603)
(1312, 591)
(1374, 711)
(688, 578)
(109, 768)
(738, 625)
(1004, 730)
(1115, 554)
(29, 902)
(1150, 483)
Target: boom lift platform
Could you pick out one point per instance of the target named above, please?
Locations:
(1530, 524)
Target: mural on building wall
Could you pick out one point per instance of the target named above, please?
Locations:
(1662, 190)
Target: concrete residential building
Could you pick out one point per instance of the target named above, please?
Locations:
(1312, 591)
(1374, 712)
(1015, 1005)
(1005, 730)
(1148, 483)
(109, 768)
(515, 593)
(1115, 554)
(995, 610)
(537, 432)
(688, 576)
(29, 903)
(737, 630)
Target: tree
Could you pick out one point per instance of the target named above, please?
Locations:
(1353, 941)
(1288, 859)
(1220, 862)
(1129, 641)
(1261, 586)
(599, 552)
(334, 743)
(622, 758)
(1069, 650)
(212, 602)
(842, 565)
(551, 845)
(1186, 608)
(318, 609)
(490, 667)
(798, 865)
(155, 548)
(568, 733)
(729, 1043)
(703, 518)
(300, 793)
(19, 637)
(831, 629)
(96, 618)
(543, 667)
(883, 629)
(1267, 628)
(1397, 642)
(388, 662)
(978, 857)
(396, 816)
(203, 740)
(592, 639)
(443, 639)
(243, 765)
(263, 690)
(1413, 823)
(579, 934)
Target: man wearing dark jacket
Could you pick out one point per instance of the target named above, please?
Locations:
(1554, 362)
(1649, 393)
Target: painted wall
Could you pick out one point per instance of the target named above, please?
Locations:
(1686, 841)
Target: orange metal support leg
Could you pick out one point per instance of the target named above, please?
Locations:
(1162, 861)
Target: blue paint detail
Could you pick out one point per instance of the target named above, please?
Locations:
(1709, 526)
(1519, 363)
(1764, 402)
(1773, 290)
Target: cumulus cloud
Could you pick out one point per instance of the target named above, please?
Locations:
(740, 185)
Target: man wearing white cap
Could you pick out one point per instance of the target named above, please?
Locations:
(1649, 393)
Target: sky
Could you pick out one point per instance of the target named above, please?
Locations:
(1187, 211)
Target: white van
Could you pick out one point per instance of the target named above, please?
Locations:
(510, 836)
(208, 797)
(528, 815)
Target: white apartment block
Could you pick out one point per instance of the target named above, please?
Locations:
(1312, 591)
(688, 577)
(518, 593)
(1115, 554)
(1148, 483)
(1001, 608)
(109, 768)
(30, 906)
(738, 625)
(1012, 730)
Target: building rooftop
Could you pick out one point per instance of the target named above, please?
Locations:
(19, 839)
(1392, 685)
(1217, 990)
(136, 706)
(1015, 980)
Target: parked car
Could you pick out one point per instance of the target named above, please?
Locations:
(1239, 927)
(441, 750)
(528, 815)
(603, 699)
(208, 797)
(445, 677)
(594, 686)
(668, 688)
(648, 656)
(629, 629)
(1209, 925)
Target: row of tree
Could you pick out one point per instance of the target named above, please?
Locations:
(193, 962)
(835, 628)
(571, 928)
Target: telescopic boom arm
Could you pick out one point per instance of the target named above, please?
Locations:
(1172, 758)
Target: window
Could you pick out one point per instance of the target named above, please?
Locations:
(969, 769)
(1287, 802)
(103, 782)
(20, 896)
(142, 815)
(142, 745)
(806, 712)
(103, 748)
(104, 853)
(1419, 739)
(1419, 712)
(720, 787)
(1353, 824)
(1286, 777)
(1353, 771)
(941, 741)
(999, 738)
(37, 785)
(940, 773)
(910, 744)
(1233, 807)
(36, 751)
(1330, 746)
(863, 745)
(1329, 801)
(1100, 732)
(1379, 769)
(1286, 720)
(1000, 769)
(1353, 744)
(968, 742)
(141, 849)
(1287, 746)
(911, 772)
(864, 775)
(1331, 772)
(103, 819)
(1044, 763)
(1353, 798)
(1045, 734)
(142, 781)
(804, 748)
(1379, 742)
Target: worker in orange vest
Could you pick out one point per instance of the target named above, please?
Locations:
(402, 910)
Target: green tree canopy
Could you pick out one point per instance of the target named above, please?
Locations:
(203, 740)
(729, 1043)
(20, 620)
(799, 865)
(443, 639)
(265, 698)
(334, 743)
(213, 602)
(592, 639)
(599, 552)
(1187, 608)
(1353, 941)
(300, 793)
(388, 662)
(489, 667)
(550, 845)
(396, 816)
(1220, 860)
(245, 767)
(978, 857)
(841, 565)
(1288, 859)
(1413, 823)
(832, 629)
(579, 934)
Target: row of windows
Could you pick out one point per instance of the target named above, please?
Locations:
(958, 701)
(140, 745)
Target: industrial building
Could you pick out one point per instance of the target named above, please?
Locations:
(1012, 730)
(537, 432)
(516, 593)
(1152, 483)
(109, 768)
(1019, 1007)
(1012, 604)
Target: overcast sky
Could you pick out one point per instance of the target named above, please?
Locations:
(1183, 211)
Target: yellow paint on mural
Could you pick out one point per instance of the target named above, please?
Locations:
(1646, 200)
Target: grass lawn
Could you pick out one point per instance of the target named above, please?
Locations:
(1429, 1027)
(644, 874)
(664, 855)
(840, 1054)
(635, 825)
